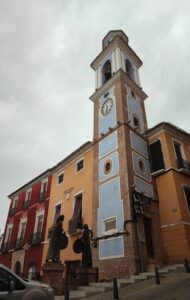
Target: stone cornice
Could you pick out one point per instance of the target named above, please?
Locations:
(119, 75)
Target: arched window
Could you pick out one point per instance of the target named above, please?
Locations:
(129, 69)
(106, 71)
(17, 268)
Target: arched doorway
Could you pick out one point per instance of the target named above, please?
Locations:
(17, 268)
(32, 271)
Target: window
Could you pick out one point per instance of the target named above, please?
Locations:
(9, 232)
(187, 195)
(110, 225)
(106, 71)
(6, 243)
(107, 167)
(43, 191)
(44, 186)
(14, 206)
(178, 151)
(141, 165)
(60, 178)
(21, 234)
(37, 235)
(76, 221)
(136, 122)
(27, 198)
(129, 69)
(133, 95)
(80, 165)
(156, 156)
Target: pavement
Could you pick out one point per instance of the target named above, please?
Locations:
(173, 286)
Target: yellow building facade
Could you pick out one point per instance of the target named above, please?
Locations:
(170, 155)
(71, 195)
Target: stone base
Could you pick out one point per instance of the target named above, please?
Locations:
(53, 275)
(87, 275)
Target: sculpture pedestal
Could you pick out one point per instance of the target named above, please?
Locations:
(53, 275)
(87, 275)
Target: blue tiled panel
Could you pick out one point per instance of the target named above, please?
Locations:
(111, 248)
(143, 187)
(110, 204)
(134, 106)
(108, 144)
(146, 175)
(115, 166)
(109, 120)
(138, 144)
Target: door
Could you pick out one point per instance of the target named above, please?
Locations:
(148, 237)
(18, 268)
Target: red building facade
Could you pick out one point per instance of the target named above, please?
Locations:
(23, 240)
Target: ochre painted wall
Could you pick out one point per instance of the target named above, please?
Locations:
(75, 182)
(174, 213)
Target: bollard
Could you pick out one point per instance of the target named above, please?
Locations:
(187, 270)
(115, 289)
(157, 276)
(66, 294)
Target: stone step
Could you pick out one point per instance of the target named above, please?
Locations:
(171, 268)
(178, 266)
(125, 281)
(148, 274)
(104, 284)
(73, 294)
(138, 277)
(163, 271)
(92, 289)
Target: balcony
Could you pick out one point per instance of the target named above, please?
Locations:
(75, 224)
(26, 204)
(42, 196)
(183, 164)
(4, 247)
(19, 243)
(36, 238)
(12, 211)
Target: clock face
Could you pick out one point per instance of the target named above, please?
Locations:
(107, 106)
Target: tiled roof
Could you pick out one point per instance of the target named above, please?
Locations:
(167, 125)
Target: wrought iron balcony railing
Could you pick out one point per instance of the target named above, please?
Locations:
(42, 196)
(183, 164)
(19, 243)
(36, 238)
(74, 224)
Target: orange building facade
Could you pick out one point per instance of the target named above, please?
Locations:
(71, 195)
(170, 153)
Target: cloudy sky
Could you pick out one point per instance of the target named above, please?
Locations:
(46, 48)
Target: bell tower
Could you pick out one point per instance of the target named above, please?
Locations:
(125, 210)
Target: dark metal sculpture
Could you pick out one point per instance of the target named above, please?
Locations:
(86, 250)
(58, 241)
